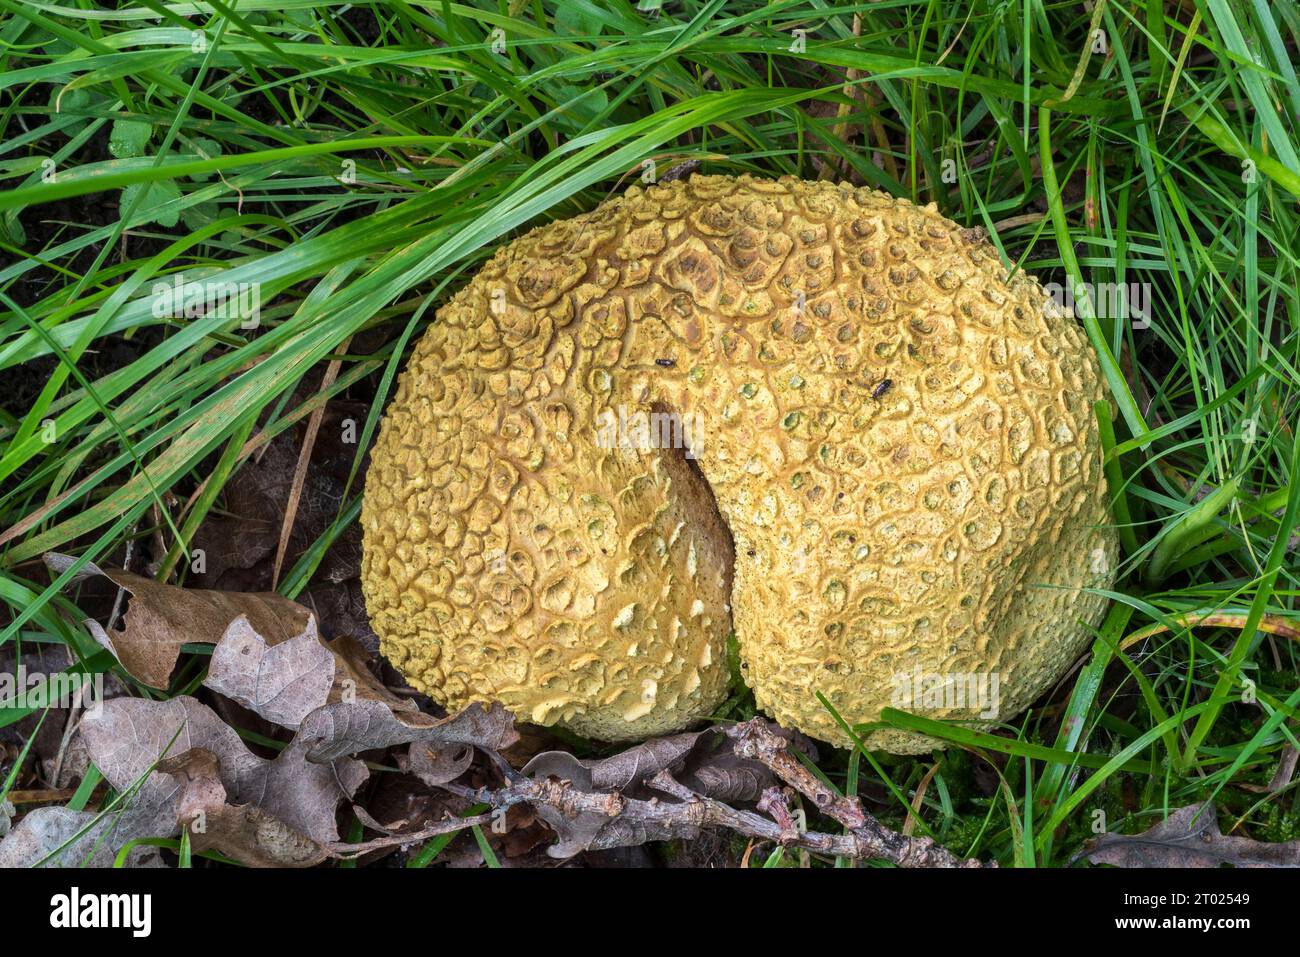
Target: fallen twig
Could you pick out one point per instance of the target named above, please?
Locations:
(755, 739)
(588, 820)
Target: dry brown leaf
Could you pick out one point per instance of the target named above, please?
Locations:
(1286, 766)
(302, 793)
(437, 765)
(1189, 837)
(62, 837)
(625, 772)
(244, 832)
(285, 681)
(124, 750)
(160, 618)
(349, 727)
(692, 757)
(129, 736)
(728, 777)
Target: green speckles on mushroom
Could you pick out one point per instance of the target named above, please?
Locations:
(836, 594)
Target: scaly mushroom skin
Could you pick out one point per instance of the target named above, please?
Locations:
(900, 444)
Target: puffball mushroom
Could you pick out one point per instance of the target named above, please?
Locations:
(814, 414)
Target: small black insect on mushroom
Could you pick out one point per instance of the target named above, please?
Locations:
(666, 363)
(881, 388)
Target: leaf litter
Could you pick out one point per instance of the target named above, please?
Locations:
(176, 764)
(1189, 837)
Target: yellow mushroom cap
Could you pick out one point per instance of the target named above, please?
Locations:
(815, 414)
